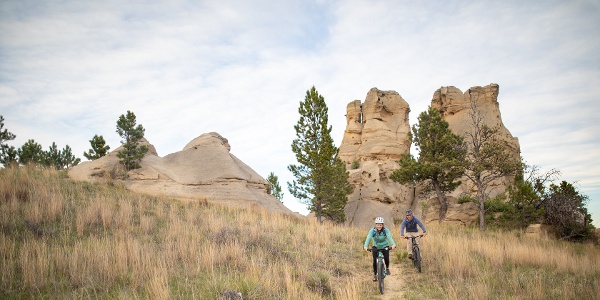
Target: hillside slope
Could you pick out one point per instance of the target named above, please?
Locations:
(65, 239)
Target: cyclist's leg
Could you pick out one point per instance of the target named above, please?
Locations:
(409, 243)
(374, 253)
(386, 257)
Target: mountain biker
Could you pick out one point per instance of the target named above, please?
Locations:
(382, 237)
(410, 223)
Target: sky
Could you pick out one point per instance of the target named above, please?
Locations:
(69, 69)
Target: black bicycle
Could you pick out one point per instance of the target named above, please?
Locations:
(381, 270)
(416, 257)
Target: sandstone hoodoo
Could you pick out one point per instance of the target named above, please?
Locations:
(375, 137)
(204, 169)
(377, 134)
(455, 107)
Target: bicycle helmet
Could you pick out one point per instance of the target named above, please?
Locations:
(379, 220)
(409, 212)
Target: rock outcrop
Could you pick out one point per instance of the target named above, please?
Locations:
(375, 137)
(204, 169)
(455, 107)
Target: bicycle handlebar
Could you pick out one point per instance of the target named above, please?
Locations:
(379, 249)
(412, 237)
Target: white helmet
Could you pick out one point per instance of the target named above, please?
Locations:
(379, 220)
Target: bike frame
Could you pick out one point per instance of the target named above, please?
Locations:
(416, 251)
(381, 269)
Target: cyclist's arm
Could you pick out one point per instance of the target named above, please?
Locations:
(402, 226)
(368, 239)
(422, 226)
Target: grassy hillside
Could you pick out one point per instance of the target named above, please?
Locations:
(64, 239)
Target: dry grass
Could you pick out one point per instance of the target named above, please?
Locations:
(462, 263)
(62, 239)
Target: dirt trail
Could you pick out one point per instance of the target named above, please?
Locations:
(394, 285)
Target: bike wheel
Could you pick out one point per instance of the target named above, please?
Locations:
(417, 258)
(380, 274)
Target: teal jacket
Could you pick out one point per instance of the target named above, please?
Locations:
(380, 240)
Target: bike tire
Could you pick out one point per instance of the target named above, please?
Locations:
(380, 275)
(417, 258)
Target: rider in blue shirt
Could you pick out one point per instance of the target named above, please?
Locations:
(410, 223)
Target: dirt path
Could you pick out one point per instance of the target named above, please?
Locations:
(393, 285)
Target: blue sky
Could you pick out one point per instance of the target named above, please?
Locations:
(69, 69)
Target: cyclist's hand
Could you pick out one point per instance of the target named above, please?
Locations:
(366, 249)
(424, 234)
(393, 247)
(402, 237)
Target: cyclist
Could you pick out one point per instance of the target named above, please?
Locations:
(382, 237)
(410, 223)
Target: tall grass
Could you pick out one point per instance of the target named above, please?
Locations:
(65, 239)
(463, 263)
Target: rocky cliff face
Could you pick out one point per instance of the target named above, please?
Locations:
(455, 107)
(204, 169)
(375, 137)
(377, 134)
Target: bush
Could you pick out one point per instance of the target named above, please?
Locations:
(319, 282)
(467, 198)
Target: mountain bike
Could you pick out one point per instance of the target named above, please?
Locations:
(416, 258)
(381, 270)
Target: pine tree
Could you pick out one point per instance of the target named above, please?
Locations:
(132, 152)
(441, 160)
(68, 159)
(8, 154)
(274, 187)
(99, 148)
(53, 157)
(527, 194)
(59, 159)
(321, 177)
(30, 152)
(565, 210)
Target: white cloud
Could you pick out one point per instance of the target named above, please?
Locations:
(68, 69)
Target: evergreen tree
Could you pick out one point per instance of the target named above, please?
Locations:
(53, 157)
(8, 154)
(68, 159)
(132, 152)
(488, 157)
(565, 210)
(535, 198)
(31, 152)
(526, 196)
(321, 177)
(338, 185)
(274, 187)
(441, 160)
(99, 148)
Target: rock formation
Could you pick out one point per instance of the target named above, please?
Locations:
(375, 137)
(377, 134)
(204, 169)
(455, 106)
